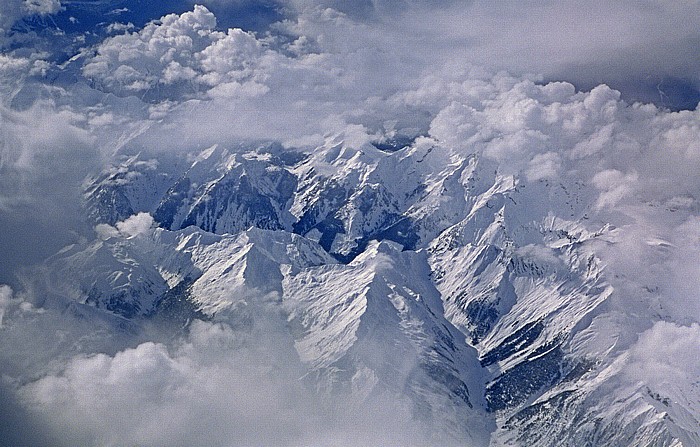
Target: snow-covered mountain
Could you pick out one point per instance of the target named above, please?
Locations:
(420, 271)
(316, 222)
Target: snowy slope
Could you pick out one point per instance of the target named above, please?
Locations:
(365, 329)
(376, 324)
(487, 301)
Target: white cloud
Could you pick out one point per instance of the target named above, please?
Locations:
(542, 131)
(45, 156)
(177, 57)
(119, 27)
(135, 225)
(6, 300)
(16, 69)
(663, 359)
(585, 42)
(542, 166)
(11, 304)
(234, 54)
(235, 89)
(614, 186)
(220, 386)
(42, 7)
(106, 231)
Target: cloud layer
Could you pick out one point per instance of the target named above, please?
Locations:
(218, 386)
(44, 156)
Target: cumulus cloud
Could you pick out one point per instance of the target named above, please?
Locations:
(639, 48)
(204, 393)
(219, 386)
(136, 225)
(313, 74)
(544, 131)
(117, 27)
(325, 63)
(179, 56)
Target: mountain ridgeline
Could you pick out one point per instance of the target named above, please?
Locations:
(409, 269)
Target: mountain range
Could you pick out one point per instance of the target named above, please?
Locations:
(408, 270)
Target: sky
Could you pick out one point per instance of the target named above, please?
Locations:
(603, 91)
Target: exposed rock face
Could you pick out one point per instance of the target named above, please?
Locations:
(419, 271)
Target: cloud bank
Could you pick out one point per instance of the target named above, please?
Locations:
(218, 386)
(44, 156)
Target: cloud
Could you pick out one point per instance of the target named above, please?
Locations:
(323, 63)
(219, 386)
(135, 225)
(544, 131)
(117, 27)
(654, 261)
(655, 366)
(543, 166)
(322, 68)
(6, 300)
(17, 426)
(362, 71)
(179, 56)
(16, 70)
(592, 42)
(42, 7)
(44, 157)
(635, 47)
(614, 186)
(661, 365)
